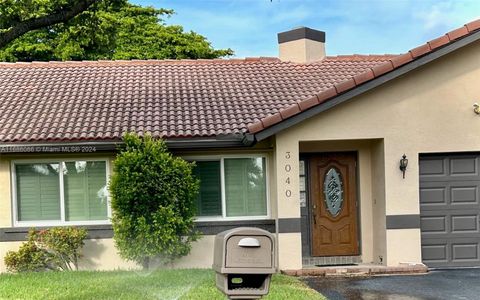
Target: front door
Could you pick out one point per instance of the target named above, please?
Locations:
(334, 204)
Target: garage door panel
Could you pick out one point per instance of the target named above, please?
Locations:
(443, 252)
(467, 194)
(449, 195)
(450, 210)
(464, 224)
(433, 195)
(453, 223)
(464, 252)
(463, 166)
(433, 167)
(449, 168)
(433, 224)
(435, 253)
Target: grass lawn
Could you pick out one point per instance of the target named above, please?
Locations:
(163, 284)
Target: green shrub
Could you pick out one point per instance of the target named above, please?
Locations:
(64, 243)
(56, 249)
(28, 258)
(153, 197)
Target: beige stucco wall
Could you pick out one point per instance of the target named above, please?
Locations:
(101, 254)
(427, 110)
(5, 203)
(289, 251)
(403, 246)
(287, 194)
(378, 202)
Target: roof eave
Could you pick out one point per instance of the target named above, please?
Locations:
(345, 97)
(230, 141)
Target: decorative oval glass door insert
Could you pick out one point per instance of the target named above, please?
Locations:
(333, 191)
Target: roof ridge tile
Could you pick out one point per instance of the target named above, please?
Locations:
(359, 56)
(472, 26)
(121, 62)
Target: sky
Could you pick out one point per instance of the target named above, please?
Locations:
(250, 27)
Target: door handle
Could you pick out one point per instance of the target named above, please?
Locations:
(314, 209)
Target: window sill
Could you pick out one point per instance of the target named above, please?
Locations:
(36, 224)
(215, 227)
(229, 219)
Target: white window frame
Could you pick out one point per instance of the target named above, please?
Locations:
(62, 221)
(222, 158)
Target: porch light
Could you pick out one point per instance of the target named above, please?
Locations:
(403, 164)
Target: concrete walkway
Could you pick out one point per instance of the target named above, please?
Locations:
(357, 270)
(460, 284)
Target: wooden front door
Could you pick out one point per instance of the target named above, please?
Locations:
(334, 204)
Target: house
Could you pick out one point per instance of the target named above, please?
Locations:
(306, 146)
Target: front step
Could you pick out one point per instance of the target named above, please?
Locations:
(361, 270)
(330, 260)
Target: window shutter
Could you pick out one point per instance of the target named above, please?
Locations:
(85, 190)
(245, 187)
(209, 199)
(38, 191)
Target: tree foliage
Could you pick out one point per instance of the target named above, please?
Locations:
(108, 29)
(20, 17)
(153, 197)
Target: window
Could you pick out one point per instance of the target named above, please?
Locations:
(232, 187)
(61, 192)
(303, 184)
(209, 200)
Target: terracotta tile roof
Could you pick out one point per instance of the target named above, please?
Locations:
(77, 101)
(74, 101)
(368, 74)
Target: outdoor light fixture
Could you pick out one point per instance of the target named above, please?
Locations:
(476, 108)
(403, 164)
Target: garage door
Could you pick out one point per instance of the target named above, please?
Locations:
(450, 209)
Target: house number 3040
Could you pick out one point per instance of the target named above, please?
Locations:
(288, 169)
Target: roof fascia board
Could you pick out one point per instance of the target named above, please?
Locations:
(86, 147)
(207, 143)
(57, 147)
(367, 86)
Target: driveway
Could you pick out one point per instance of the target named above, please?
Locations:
(443, 284)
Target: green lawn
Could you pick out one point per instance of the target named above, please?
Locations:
(164, 284)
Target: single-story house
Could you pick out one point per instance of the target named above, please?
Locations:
(307, 146)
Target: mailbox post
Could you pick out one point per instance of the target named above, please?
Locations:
(244, 261)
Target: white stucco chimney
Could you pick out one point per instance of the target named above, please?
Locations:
(301, 45)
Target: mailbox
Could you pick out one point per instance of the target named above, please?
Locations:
(244, 261)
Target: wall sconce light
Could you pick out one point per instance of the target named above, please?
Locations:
(403, 164)
(476, 108)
